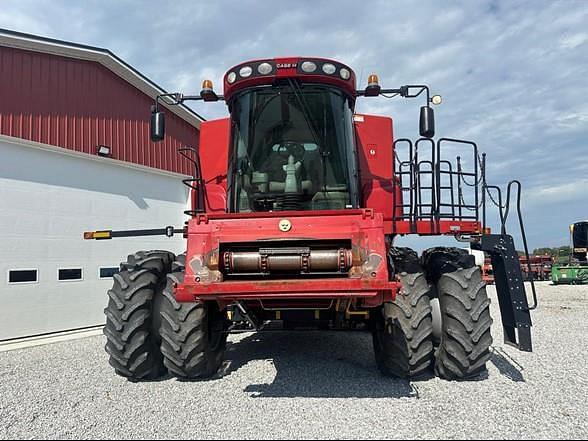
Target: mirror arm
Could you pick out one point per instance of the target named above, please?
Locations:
(388, 91)
(427, 118)
(200, 98)
(190, 98)
(178, 98)
(404, 91)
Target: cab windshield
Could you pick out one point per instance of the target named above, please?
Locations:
(292, 149)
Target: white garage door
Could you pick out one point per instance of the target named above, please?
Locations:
(50, 279)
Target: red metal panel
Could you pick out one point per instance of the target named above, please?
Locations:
(78, 105)
(214, 145)
(376, 162)
(290, 289)
(363, 228)
(435, 228)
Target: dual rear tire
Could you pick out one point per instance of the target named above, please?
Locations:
(148, 333)
(404, 342)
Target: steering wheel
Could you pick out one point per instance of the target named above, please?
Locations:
(287, 148)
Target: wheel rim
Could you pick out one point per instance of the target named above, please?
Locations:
(437, 319)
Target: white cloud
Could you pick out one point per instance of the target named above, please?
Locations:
(558, 193)
(573, 41)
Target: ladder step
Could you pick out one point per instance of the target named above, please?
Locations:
(512, 297)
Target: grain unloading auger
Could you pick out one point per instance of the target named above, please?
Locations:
(296, 205)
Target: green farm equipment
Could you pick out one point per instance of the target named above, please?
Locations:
(574, 272)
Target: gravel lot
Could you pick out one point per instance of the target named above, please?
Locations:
(309, 385)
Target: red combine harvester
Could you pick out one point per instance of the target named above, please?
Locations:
(296, 205)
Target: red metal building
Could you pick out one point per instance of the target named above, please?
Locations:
(79, 97)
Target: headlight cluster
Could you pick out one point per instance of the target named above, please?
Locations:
(324, 67)
(314, 67)
(247, 71)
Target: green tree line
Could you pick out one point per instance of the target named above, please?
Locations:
(559, 253)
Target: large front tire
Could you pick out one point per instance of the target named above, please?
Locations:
(193, 334)
(132, 320)
(403, 336)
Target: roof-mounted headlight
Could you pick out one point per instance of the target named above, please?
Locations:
(265, 68)
(344, 73)
(231, 77)
(329, 68)
(245, 71)
(308, 66)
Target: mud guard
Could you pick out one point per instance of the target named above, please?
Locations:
(512, 297)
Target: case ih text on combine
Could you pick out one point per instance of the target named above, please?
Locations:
(297, 202)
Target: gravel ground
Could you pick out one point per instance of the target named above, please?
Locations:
(309, 385)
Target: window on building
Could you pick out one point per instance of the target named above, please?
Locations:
(108, 272)
(69, 274)
(23, 276)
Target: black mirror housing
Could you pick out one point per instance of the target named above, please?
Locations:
(427, 122)
(157, 126)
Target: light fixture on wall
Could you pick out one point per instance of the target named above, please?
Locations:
(104, 150)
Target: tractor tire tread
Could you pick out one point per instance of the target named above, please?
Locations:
(132, 348)
(465, 309)
(466, 341)
(184, 339)
(404, 346)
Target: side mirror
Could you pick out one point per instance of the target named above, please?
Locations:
(427, 122)
(157, 126)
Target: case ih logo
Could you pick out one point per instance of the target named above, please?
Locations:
(287, 65)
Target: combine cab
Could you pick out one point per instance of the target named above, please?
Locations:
(297, 204)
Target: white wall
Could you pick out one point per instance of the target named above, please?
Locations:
(47, 200)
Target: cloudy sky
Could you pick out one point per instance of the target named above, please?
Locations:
(513, 74)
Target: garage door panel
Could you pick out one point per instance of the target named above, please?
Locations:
(44, 209)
